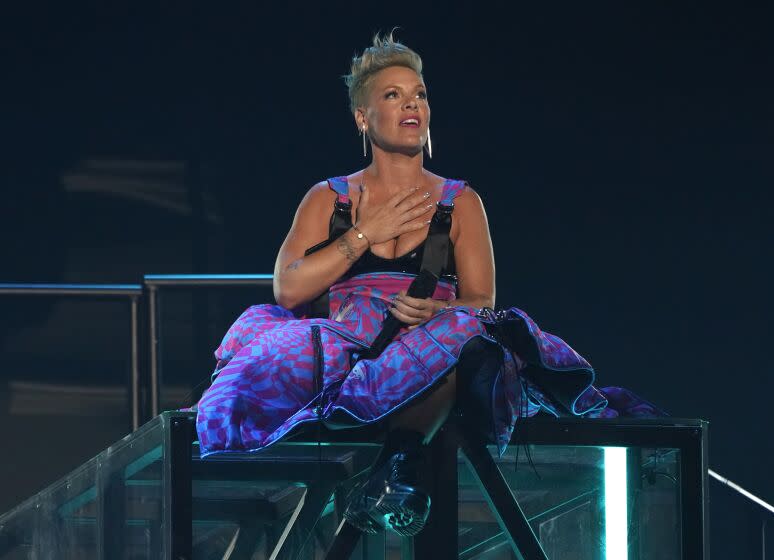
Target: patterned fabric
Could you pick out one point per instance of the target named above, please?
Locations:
(451, 189)
(277, 371)
(340, 185)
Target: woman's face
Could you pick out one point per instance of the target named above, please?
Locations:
(397, 115)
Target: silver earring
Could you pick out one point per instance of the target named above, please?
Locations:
(429, 145)
(363, 134)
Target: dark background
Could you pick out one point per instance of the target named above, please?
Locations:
(624, 153)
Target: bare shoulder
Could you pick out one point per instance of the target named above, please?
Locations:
(468, 202)
(319, 192)
(468, 195)
(469, 214)
(317, 199)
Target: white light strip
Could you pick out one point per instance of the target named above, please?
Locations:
(616, 515)
(741, 490)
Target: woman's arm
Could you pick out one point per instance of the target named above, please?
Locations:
(473, 253)
(298, 278)
(473, 259)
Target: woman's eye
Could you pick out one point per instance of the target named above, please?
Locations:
(391, 94)
(422, 95)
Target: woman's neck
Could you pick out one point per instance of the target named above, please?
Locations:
(393, 172)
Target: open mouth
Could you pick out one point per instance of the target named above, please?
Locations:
(411, 122)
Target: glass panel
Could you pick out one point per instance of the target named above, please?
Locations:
(583, 503)
(64, 368)
(290, 497)
(111, 504)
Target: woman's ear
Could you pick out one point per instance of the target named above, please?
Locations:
(360, 119)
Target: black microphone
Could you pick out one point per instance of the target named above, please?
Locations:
(422, 286)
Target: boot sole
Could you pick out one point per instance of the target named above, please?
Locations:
(403, 513)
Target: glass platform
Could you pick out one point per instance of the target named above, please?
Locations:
(588, 489)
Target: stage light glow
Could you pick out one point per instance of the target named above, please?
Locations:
(616, 514)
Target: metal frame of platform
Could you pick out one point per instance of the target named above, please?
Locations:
(688, 436)
(164, 452)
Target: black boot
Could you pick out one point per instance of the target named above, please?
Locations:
(392, 497)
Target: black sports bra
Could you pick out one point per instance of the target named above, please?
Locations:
(409, 263)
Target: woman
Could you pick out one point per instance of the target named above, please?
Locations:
(362, 240)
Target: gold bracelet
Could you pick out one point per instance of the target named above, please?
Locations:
(361, 235)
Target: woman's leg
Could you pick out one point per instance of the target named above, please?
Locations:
(427, 415)
(393, 496)
(394, 484)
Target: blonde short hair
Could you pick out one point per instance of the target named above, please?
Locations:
(384, 53)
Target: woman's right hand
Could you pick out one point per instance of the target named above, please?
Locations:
(402, 213)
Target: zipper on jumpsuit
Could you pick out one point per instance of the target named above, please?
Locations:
(318, 382)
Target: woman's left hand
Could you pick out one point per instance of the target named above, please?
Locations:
(415, 311)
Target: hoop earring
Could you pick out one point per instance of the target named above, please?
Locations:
(365, 150)
(429, 145)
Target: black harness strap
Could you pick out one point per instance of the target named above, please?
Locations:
(436, 254)
(434, 259)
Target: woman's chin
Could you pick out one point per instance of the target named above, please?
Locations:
(411, 150)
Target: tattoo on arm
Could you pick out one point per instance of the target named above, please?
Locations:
(294, 265)
(346, 249)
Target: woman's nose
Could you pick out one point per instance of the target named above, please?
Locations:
(412, 103)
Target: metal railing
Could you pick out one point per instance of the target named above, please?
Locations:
(753, 498)
(154, 283)
(101, 291)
